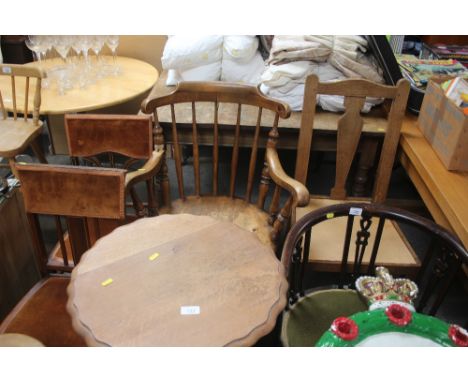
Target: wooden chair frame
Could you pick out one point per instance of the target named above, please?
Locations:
(240, 95)
(13, 71)
(90, 135)
(440, 264)
(349, 129)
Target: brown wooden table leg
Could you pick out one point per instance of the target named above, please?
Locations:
(366, 162)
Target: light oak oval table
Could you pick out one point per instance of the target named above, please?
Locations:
(135, 78)
(177, 280)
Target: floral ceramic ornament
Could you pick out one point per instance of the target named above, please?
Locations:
(391, 319)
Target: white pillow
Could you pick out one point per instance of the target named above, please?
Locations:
(209, 72)
(240, 48)
(250, 72)
(173, 77)
(185, 52)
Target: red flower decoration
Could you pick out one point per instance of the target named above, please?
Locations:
(398, 315)
(345, 328)
(458, 335)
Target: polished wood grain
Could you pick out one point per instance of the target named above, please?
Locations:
(444, 192)
(236, 281)
(90, 136)
(135, 79)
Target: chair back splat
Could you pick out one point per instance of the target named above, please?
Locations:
(350, 129)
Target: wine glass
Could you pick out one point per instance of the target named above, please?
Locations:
(37, 46)
(97, 43)
(113, 42)
(63, 46)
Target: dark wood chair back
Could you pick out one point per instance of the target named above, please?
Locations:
(89, 135)
(441, 261)
(116, 141)
(349, 129)
(91, 200)
(242, 99)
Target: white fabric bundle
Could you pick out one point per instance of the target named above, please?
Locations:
(242, 62)
(292, 94)
(335, 103)
(183, 52)
(249, 72)
(192, 58)
(280, 75)
(240, 48)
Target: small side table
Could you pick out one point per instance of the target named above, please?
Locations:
(177, 280)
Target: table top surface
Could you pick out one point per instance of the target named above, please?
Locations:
(327, 121)
(448, 188)
(135, 78)
(177, 280)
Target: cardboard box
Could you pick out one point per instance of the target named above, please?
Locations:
(445, 126)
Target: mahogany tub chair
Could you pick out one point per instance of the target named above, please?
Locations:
(315, 301)
(395, 253)
(19, 132)
(117, 141)
(222, 127)
(91, 201)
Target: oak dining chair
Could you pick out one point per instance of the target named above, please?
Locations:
(395, 253)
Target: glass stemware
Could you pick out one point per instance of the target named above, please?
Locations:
(97, 43)
(63, 46)
(36, 45)
(113, 42)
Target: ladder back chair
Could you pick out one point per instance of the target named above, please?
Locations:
(92, 203)
(18, 132)
(224, 201)
(118, 141)
(314, 301)
(349, 136)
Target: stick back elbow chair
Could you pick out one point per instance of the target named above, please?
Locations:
(223, 127)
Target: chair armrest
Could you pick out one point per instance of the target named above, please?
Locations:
(150, 168)
(297, 189)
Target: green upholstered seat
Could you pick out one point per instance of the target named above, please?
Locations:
(313, 314)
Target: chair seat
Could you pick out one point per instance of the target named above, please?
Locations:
(15, 136)
(313, 314)
(395, 252)
(42, 314)
(237, 211)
